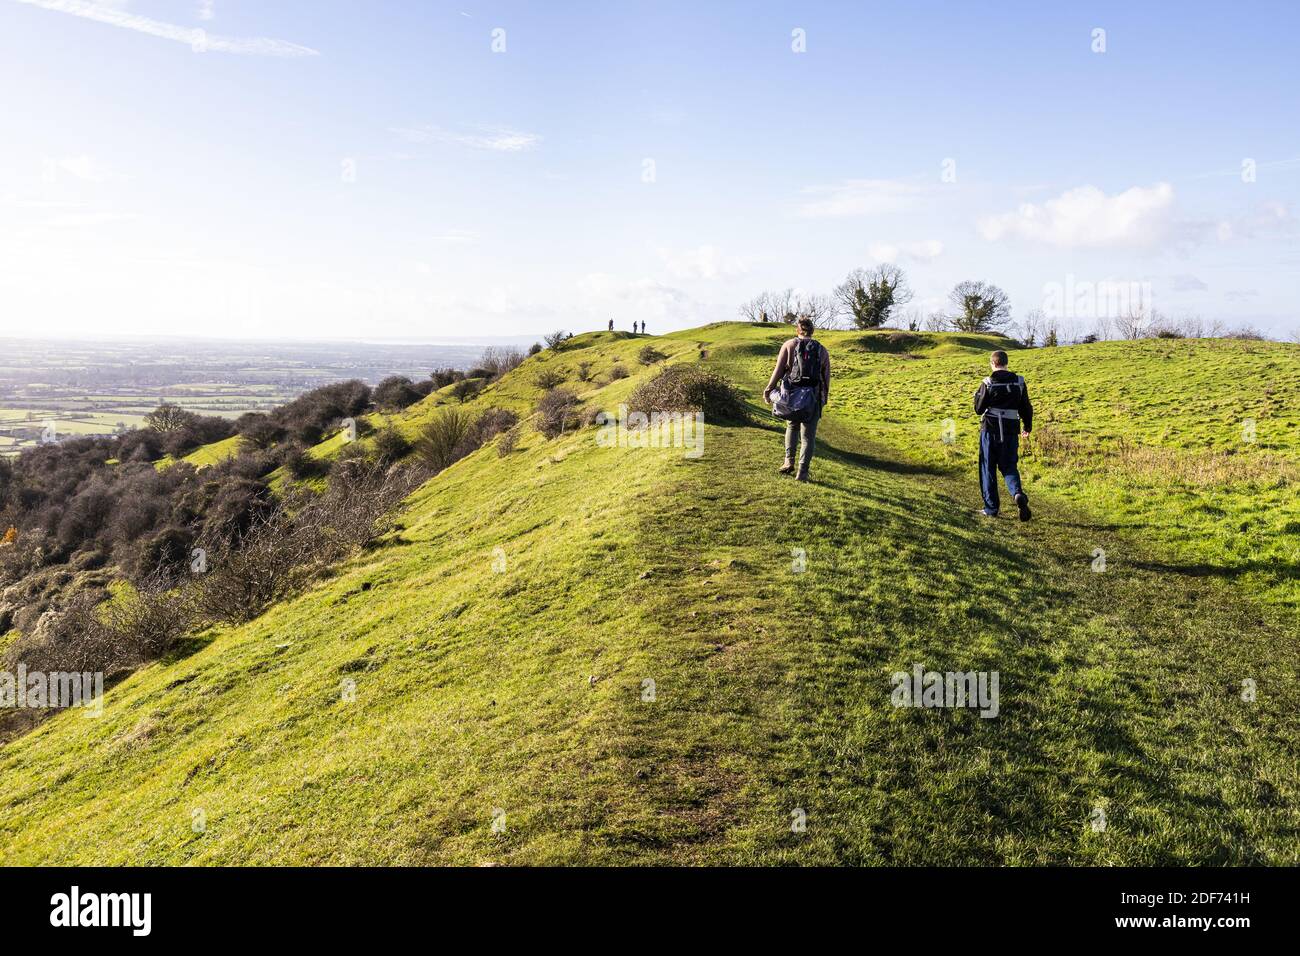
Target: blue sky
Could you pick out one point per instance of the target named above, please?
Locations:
(319, 168)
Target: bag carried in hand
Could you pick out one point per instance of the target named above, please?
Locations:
(797, 404)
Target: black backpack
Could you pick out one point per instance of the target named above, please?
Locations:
(805, 364)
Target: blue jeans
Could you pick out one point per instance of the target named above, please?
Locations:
(999, 454)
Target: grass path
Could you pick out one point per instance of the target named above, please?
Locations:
(1121, 690)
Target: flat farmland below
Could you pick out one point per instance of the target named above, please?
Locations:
(50, 390)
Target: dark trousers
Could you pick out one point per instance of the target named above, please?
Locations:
(999, 453)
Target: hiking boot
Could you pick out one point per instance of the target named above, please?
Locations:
(802, 476)
(787, 467)
(1022, 502)
(986, 513)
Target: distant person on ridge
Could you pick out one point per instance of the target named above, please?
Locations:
(1002, 402)
(803, 369)
(611, 325)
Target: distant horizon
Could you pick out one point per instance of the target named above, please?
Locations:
(145, 338)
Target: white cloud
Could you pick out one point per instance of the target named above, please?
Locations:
(197, 38)
(1267, 219)
(703, 262)
(1087, 217)
(859, 197)
(205, 9)
(923, 251)
(495, 138)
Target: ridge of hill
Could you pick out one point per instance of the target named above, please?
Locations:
(491, 660)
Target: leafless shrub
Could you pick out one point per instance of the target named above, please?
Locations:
(548, 378)
(108, 637)
(557, 412)
(488, 425)
(1246, 333)
(305, 534)
(442, 437)
(498, 361)
(689, 388)
(280, 553)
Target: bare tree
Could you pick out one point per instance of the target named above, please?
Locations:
(937, 322)
(1101, 330)
(498, 361)
(868, 296)
(1137, 320)
(770, 307)
(783, 306)
(914, 320)
(979, 306)
(1197, 327)
(756, 309)
(168, 418)
(824, 310)
(1032, 327)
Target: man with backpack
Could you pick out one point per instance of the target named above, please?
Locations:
(803, 369)
(1002, 402)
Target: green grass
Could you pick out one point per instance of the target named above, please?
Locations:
(474, 667)
(212, 453)
(1149, 434)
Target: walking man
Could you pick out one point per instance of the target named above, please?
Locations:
(1002, 402)
(802, 364)
(611, 325)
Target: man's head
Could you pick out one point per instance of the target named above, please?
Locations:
(805, 325)
(998, 360)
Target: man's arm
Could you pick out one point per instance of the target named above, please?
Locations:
(826, 375)
(782, 366)
(981, 398)
(1026, 411)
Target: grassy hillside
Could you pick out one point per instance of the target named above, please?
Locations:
(493, 654)
(204, 455)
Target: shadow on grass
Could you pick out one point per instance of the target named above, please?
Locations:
(1281, 569)
(875, 462)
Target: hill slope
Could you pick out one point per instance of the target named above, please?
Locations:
(492, 658)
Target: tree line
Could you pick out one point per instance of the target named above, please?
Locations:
(870, 298)
(873, 298)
